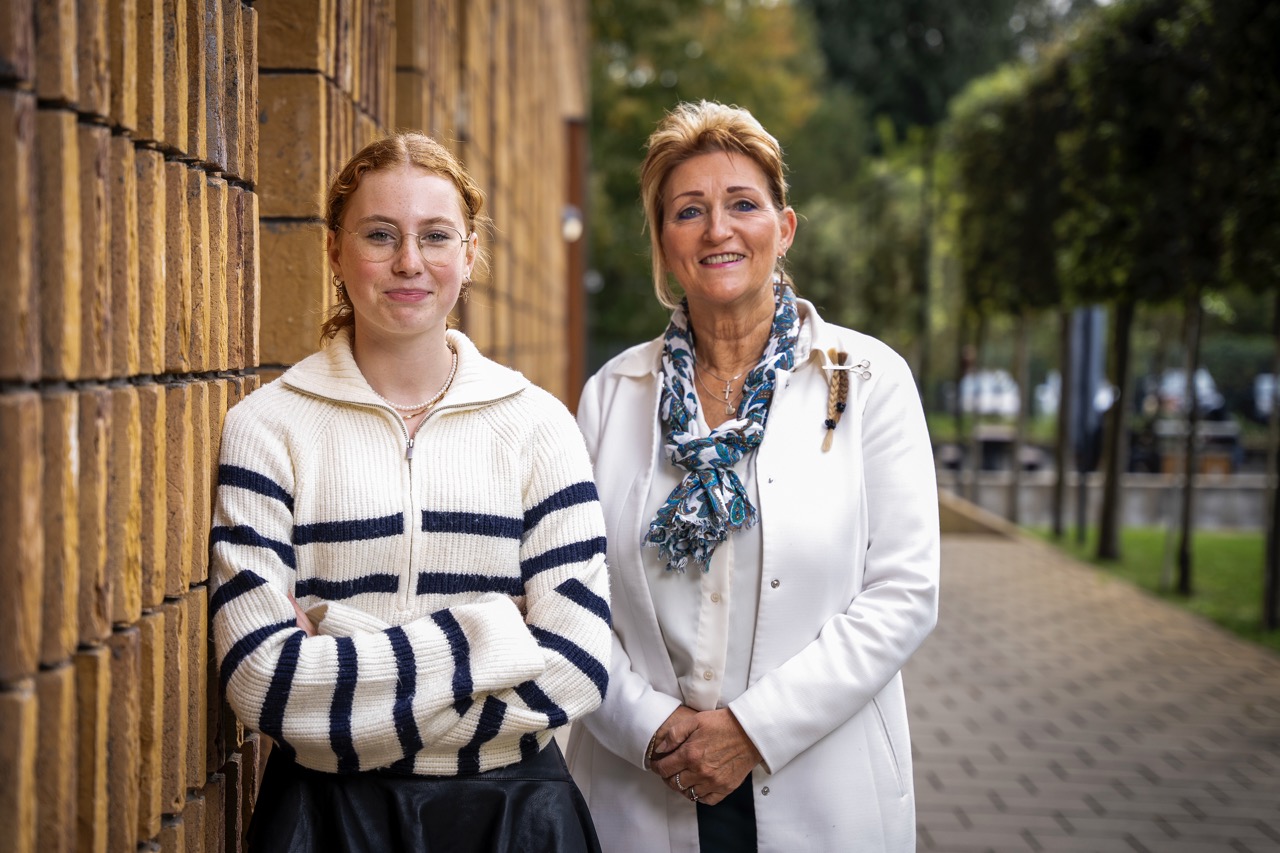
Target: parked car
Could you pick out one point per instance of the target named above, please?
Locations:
(1264, 395)
(989, 392)
(1170, 392)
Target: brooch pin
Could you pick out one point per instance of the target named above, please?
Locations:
(838, 370)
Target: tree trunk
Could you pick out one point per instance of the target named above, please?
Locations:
(1117, 435)
(1022, 371)
(974, 453)
(1062, 444)
(926, 230)
(1271, 572)
(1192, 361)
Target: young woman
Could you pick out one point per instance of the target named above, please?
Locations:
(408, 553)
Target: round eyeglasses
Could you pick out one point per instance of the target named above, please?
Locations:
(378, 242)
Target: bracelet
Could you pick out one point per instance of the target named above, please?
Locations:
(648, 752)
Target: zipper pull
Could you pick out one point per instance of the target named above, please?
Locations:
(408, 450)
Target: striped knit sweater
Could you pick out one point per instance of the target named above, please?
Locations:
(460, 591)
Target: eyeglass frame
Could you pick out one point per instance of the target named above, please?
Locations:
(399, 245)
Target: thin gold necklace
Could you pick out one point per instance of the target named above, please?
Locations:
(410, 412)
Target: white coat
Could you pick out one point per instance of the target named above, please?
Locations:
(848, 592)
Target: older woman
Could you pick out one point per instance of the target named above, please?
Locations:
(769, 493)
(409, 553)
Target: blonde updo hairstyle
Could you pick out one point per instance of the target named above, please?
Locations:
(691, 129)
(391, 152)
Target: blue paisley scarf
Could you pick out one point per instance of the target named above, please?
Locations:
(710, 501)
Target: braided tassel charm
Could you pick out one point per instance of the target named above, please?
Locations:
(838, 394)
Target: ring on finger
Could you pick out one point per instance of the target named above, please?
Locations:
(680, 787)
(693, 795)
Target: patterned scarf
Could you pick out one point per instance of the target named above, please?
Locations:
(710, 501)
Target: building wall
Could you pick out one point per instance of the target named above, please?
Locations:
(162, 170)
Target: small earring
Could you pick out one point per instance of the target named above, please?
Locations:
(465, 293)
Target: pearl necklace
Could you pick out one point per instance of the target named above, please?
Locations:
(410, 412)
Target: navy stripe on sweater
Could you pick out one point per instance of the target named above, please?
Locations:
(574, 552)
(539, 701)
(338, 590)
(406, 687)
(243, 478)
(245, 535)
(344, 695)
(491, 717)
(577, 592)
(271, 718)
(447, 583)
(575, 654)
(461, 650)
(246, 644)
(243, 581)
(578, 493)
(349, 530)
(477, 523)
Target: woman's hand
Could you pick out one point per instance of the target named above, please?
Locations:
(709, 750)
(304, 621)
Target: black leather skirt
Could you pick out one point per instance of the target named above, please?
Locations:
(530, 807)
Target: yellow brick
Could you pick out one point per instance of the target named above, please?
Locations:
(172, 835)
(17, 41)
(58, 241)
(151, 86)
(60, 631)
(249, 44)
(176, 84)
(152, 246)
(216, 199)
(95, 244)
(94, 437)
(292, 34)
(197, 686)
(123, 759)
(56, 78)
(18, 758)
(233, 71)
(235, 240)
(92, 65)
(93, 711)
(122, 25)
(198, 230)
(174, 743)
(196, 145)
(179, 458)
(125, 311)
(58, 749)
(292, 153)
(21, 536)
(201, 474)
(151, 675)
(290, 320)
(212, 819)
(251, 295)
(214, 86)
(153, 491)
(20, 322)
(124, 509)
(177, 271)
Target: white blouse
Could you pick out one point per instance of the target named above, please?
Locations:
(707, 618)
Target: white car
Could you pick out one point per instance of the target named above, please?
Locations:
(989, 392)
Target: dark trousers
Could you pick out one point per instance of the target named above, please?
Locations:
(730, 825)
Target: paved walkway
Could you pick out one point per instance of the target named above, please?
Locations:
(1056, 709)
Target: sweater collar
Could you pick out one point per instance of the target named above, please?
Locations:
(332, 373)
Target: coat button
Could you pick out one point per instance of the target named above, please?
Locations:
(715, 598)
(765, 791)
(708, 675)
(775, 583)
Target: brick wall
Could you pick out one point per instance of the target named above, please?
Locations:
(162, 170)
